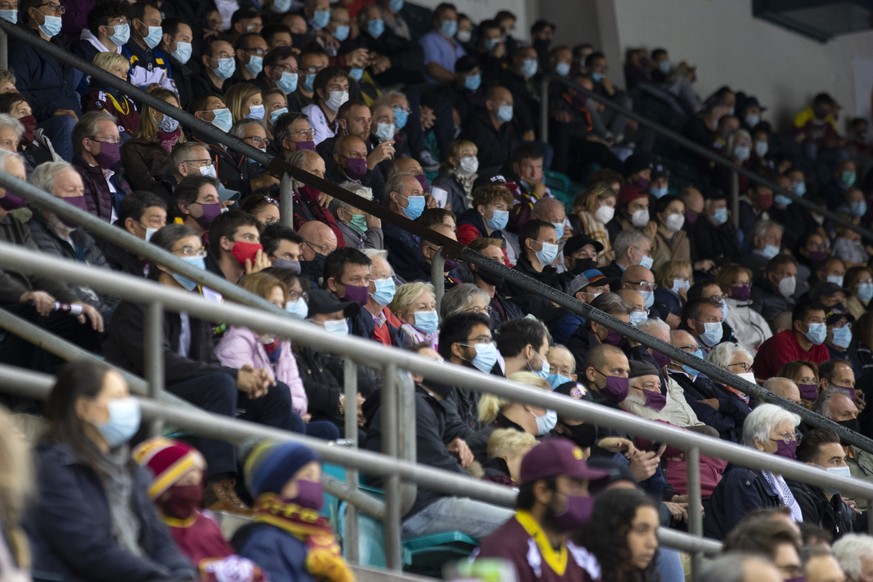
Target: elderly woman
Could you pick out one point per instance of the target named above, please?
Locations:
(768, 429)
(458, 173)
(750, 327)
(94, 519)
(593, 210)
(735, 359)
(415, 305)
(360, 230)
(464, 298)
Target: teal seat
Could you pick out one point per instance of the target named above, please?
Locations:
(423, 555)
(561, 187)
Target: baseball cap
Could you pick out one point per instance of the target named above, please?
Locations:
(321, 301)
(586, 278)
(578, 241)
(556, 457)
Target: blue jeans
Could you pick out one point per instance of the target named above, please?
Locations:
(474, 518)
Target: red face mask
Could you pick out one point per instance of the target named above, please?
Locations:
(29, 123)
(243, 251)
(181, 501)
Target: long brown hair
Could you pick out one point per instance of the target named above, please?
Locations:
(147, 129)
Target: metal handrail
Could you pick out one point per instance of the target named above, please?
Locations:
(374, 354)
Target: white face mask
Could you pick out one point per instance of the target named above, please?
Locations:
(640, 218)
(604, 214)
(787, 286)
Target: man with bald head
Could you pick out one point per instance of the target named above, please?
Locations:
(318, 242)
(350, 163)
(713, 405)
(784, 388)
(740, 567)
(492, 131)
(640, 279)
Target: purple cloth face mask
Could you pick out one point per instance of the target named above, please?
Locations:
(655, 400)
(787, 450)
(616, 389)
(577, 514)
(808, 391)
(310, 494)
(359, 295)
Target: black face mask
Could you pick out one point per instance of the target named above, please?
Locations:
(584, 435)
(851, 424)
(582, 265)
(490, 278)
(313, 269)
(441, 390)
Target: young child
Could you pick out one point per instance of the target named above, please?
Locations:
(289, 538)
(177, 490)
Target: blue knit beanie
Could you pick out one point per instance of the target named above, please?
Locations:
(271, 465)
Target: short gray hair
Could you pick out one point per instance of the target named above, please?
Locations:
(459, 298)
(849, 549)
(358, 189)
(761, 421)
(722, 354)
(395, 183)
(44, 175)
(822, 404)
(182, 152)
(239, 126)
(626, 239)
(654, 324)
(611, 303)
(729, 567)
(373, 253)
(7, 120)
(762, 226)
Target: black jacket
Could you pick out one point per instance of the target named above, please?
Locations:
(732, 411)
(831, 515)
(740, 491)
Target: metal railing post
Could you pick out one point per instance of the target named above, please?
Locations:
(695, 516)
(391, 523)
(735, 198)
(350, 382)
(544, 108)
(286, 201)
(438, 276)
(153, 345)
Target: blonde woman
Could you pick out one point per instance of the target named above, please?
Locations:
(506, 447)
(415, 305)
(594, 209)
(245, 102)
(104, 98)
(146, 157)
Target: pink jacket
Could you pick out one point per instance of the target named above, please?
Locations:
(241, 346)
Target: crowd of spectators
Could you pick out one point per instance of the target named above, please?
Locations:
(434, 118)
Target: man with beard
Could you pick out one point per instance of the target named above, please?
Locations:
(553, 499)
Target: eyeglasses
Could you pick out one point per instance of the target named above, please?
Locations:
(717, 299)
(258, 51)
(486, 309)
(304, 132)
(320, 249)
(105, 139)
(295, 295)
(54, 7)
(190, 252)
(744, 366)
(689, 349)
(785, 437)
(256, 139)
(199, 163)
(476, 341)
(644, 285)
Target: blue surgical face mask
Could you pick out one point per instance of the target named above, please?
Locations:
(556, 380)
(256, 112)
(309, 82)
(120, 34)
(385, 290)
(559, 229)
(816, 333)
(277, 113)
(184, 281)
(504, 113)
(799, 188)
(847, 179)
(337, 326)
(770, 251)
(449, 28)
(183, 52)
(546, 422)
(649, 298)
(341, 32)
(225, 69)
(320, 19)
(647, 262)
(485, 358)
(835, 279)
(712, 333)
(472, 82)
(658, 192)
(865, 292)
(859, 208)
(400, 117)
(490, 43)
(124, 419)
(547, 253)
(356, 73)
(529, 67)
(637, 317)
(52, 25)
(742, 153)
(597, 77)
(287, 82)
(281, 6)
(222, 119)
(384, 131)
(414, 207)
(298, 308)
(153, 38)
(427, 321)
(395, 5)
(498, 221)
(782, 200)
(255, 65)
(563, 69)
(842, 336)
(720, 216)
(9, 16)
(376, 28)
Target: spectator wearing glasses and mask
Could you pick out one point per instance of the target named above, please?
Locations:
(749, 327)
(97, 144)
